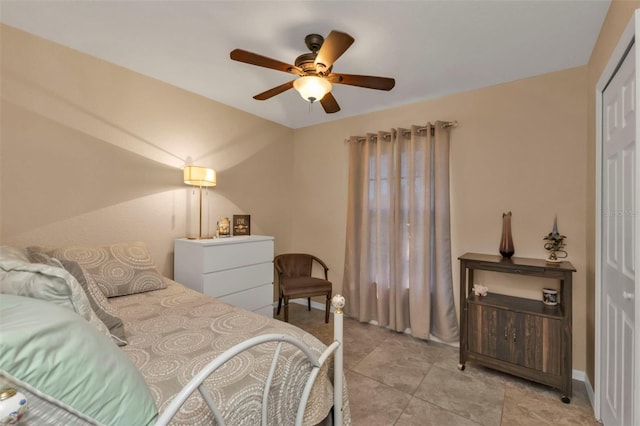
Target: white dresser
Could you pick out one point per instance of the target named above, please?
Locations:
(235, 270)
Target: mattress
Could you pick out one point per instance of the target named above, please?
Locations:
(174, 332)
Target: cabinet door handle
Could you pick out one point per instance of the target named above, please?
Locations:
(514, 334)
(506, 333)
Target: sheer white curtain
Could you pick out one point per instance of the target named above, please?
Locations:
(398, 250)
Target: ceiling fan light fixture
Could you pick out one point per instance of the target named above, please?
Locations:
(312, 88)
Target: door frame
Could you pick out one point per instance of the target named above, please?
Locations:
(627, 37)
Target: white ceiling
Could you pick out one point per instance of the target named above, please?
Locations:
(431, 48)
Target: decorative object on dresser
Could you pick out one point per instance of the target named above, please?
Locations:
(241, 224)
(235, 270)
(224, 228)
(523, 337)
(554, 244)
(199, 176)
(506, 241)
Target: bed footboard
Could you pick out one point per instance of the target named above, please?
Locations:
(334, 348)
(338, 368)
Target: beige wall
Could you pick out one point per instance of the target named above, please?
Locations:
(92, 153)
(519, 146)
(618, 17)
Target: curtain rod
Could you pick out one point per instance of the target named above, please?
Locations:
(387, 135)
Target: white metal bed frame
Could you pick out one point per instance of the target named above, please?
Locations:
(316, 362)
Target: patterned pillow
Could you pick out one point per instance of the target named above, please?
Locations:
(99, 302)
(50, 283)
(118, 269)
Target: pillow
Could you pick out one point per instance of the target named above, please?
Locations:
(118, 269)
(49, 283)
(13, 253)
(98, 301)
(42, 257)
(69, 361)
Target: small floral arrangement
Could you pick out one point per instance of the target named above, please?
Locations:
(480, 290)
(555, 243)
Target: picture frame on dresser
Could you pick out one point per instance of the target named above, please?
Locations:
(241, 224)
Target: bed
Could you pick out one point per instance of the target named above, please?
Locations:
(168, 334)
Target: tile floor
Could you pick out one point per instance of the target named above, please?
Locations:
(394, 379)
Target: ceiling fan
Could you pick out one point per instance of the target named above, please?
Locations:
(314, 70)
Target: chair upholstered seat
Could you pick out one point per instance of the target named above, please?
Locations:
(295, 280)
(305, 286)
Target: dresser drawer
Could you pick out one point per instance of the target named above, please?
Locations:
(229, 281)
(252, 299)
(229, 256)
(235, 270)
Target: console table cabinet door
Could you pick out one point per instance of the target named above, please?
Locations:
(512, 327)
(493, 332)
(527, 340)
(483, 330)
(534, 342)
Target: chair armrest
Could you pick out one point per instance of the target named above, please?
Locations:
(324, 265)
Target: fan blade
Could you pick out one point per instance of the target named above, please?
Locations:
(329, 103)
(332, 48)
(272, 92)
(262, 61)
(368, 81)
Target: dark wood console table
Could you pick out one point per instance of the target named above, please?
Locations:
(523, 337)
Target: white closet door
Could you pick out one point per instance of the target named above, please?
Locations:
(619, 162)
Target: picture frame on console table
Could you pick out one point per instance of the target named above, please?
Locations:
(241, 224)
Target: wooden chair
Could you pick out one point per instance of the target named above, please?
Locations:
(295, 281)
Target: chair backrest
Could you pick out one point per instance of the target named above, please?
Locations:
(296, 264)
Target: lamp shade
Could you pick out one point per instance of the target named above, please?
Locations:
(199, 176)
(312, 88)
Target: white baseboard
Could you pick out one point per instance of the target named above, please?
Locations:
(314, 304)
(578, 375)
(590, 392)
(582, 376)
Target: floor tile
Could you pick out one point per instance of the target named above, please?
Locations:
(373, 403)
(400, 363)
(360, 340)
(420, 413)
(522, 407)
(470, 396)
(394, 379)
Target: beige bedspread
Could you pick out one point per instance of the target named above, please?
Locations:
(173, 333)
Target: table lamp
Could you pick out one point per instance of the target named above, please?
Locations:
(199, 176)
